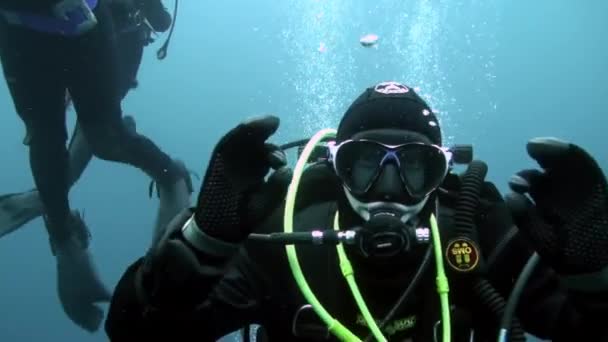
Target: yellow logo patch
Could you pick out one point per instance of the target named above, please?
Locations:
(462, 255)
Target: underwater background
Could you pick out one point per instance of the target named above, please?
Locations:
(499, 73)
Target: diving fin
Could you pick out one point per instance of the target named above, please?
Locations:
(79, 286)
(17, 209)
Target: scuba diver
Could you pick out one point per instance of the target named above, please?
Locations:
(77, 40)
(134, 23)
(374, 236)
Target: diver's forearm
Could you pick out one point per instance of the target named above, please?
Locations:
(183, 268)
(168, 286)
(594, 309)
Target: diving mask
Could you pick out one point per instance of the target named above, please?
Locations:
(359, 163)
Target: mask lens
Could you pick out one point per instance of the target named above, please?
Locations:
(422, 169)
(358, 164)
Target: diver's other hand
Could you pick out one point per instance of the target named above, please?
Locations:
(567, 222)
(235, 194)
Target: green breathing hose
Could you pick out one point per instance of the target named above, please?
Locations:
(349, 275)
(334, 326)
(443, 287)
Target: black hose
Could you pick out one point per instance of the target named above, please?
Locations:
(507, 317)
(468, 200)
(162, 52)
(408, 291)
(492, 299)
(464, 226)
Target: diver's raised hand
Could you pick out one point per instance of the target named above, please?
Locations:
(235, 197)
(565, 216)
(235, 194)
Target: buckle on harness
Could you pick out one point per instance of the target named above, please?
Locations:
(436, 332)
(307, 324)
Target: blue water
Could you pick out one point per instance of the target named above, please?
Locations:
(499, 72)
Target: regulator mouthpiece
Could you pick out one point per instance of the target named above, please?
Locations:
(384, 235)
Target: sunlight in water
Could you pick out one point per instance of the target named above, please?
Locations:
(420, 43)
(322, 78)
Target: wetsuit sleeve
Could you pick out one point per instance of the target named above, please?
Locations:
(546, 309)
(156, 13)
(223, 297)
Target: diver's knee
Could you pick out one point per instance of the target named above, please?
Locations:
(104, 142)
(36, 137)
(106, 149)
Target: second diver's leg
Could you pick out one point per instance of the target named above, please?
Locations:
(80, 152)
(35, 71)
(37, 90)
(94, 87)
(17, 209)
(130, 52)
(93, 83)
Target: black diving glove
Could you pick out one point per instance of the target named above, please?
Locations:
(235, 196)
(568, 222)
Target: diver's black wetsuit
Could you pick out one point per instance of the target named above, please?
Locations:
(132, 35)
(257, 287)
(39, 67)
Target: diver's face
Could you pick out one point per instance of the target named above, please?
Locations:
(389, 185)
(385, 185)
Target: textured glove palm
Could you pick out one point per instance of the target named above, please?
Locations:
(568, 222)
(235, 195)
